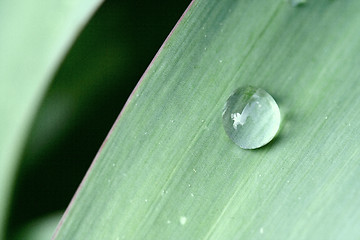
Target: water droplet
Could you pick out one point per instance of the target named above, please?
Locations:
(251, 117)
(261, 230)
(183, 220)
(297, 3)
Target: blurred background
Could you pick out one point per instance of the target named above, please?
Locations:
(82, 103)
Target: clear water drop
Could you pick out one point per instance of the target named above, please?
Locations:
(251, 117)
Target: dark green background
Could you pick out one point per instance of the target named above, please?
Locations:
(84, 99)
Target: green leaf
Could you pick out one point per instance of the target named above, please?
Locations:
(167, 170)
(35, 35)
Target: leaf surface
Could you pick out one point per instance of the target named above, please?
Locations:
(167, 170)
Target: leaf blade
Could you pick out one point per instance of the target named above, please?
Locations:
(173, 160)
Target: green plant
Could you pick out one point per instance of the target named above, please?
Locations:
(167, 170)
(33, 41)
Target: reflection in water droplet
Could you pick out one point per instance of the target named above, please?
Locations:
(251, 117)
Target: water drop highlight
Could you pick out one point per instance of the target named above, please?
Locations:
(251, 117)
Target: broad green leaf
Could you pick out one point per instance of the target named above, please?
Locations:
(34, 36)
(167, 170)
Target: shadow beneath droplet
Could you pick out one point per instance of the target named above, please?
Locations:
(286, 119)
(276, 140)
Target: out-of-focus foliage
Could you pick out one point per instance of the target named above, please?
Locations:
(83, 100)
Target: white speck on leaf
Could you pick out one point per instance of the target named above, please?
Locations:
(183, 220)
